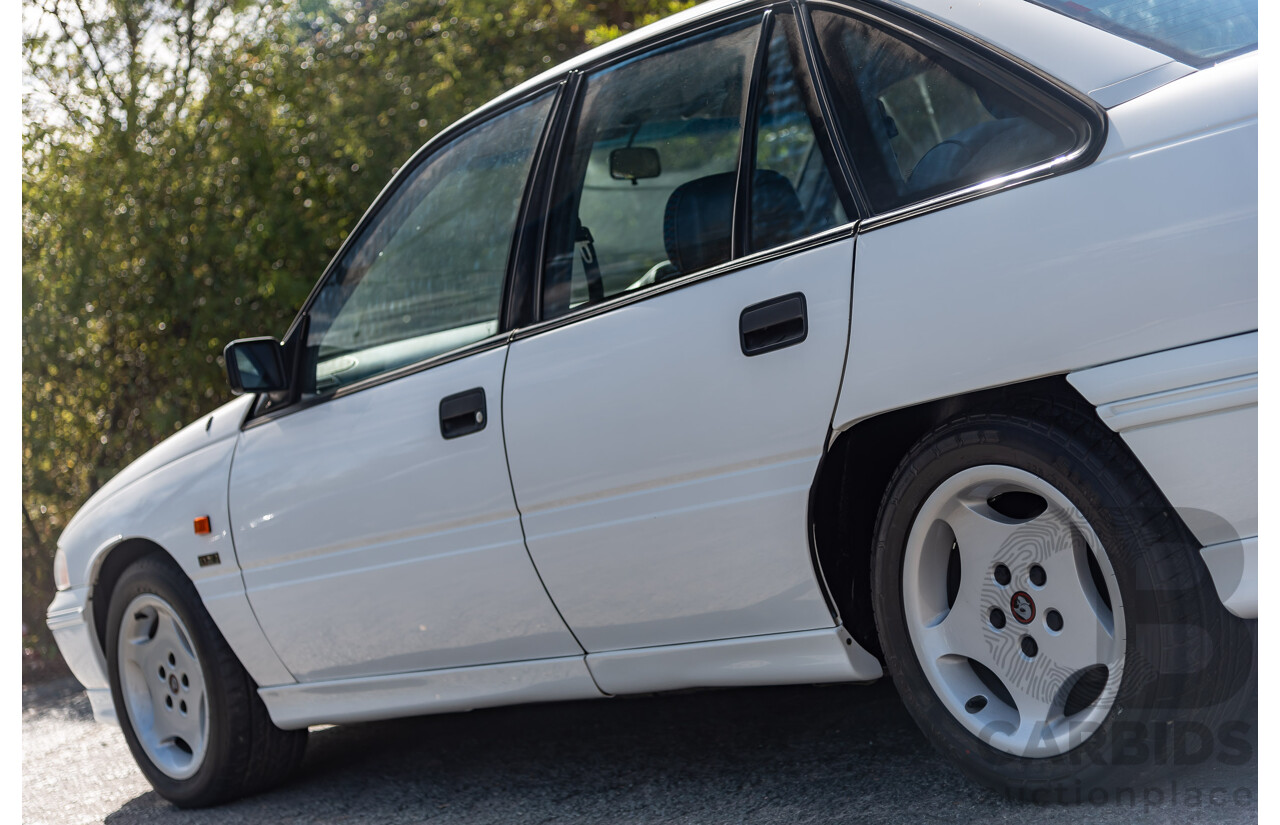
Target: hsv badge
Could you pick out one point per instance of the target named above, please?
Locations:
(1024, 610)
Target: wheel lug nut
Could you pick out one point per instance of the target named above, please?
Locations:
(1037, 575)
(168, 701)
(1003, 576)
(161, 671)
(1054, 620)
(1029, 647)
(172, 661)
(997, 618)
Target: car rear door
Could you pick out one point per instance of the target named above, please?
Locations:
(666, 414)
(373, 517)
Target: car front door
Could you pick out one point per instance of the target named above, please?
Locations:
(373, 517)
(666, 416)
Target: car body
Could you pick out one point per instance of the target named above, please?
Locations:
(642, 444)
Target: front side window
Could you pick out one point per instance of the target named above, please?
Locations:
(919, 123)
(646, 189)
(426, 275)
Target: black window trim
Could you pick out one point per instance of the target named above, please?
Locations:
(523, 299)
(816, 75)
(981, 57)
(572, 110)
(740, 221)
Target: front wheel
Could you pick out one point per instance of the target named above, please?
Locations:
(190, 713)
(1042, 608)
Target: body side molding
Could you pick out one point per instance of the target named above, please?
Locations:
(433, 691)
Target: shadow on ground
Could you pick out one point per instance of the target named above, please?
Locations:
(786, 755)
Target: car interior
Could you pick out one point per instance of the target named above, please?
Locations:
(922, 123)
(651, 184)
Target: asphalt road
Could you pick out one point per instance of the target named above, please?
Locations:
(837, 754)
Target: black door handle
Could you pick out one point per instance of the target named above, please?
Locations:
(773, 324)
(463, 413)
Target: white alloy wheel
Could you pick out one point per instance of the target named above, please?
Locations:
(1041, 607)
(1024, 643)
(190, 712)
(163, 683)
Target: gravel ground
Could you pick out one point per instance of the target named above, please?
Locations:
(765, 755)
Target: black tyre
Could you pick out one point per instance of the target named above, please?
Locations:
(189, 711)
(1044, 612)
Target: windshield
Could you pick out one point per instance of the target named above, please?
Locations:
(1196, 32)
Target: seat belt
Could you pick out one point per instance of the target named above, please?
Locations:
(590, 264)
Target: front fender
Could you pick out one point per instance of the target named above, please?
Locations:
(158, 503)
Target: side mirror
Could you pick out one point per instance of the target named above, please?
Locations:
(255, 365)
(634, 163)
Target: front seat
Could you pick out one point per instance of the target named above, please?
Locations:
(697, 226)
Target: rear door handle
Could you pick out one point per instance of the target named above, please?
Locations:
(773, 324)
(463, 413)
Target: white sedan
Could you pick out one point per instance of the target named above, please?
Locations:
(773, 343)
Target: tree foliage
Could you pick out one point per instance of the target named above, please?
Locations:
(189, 168)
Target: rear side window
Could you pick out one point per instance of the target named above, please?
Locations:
(646, 190)
(649, 183)
(920, 123)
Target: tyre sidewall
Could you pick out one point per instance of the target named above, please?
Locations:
(1148, 551)
(152, 575)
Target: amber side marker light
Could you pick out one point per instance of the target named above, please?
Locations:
(202, 525)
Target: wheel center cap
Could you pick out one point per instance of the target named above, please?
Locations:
(1022, 607)
(173, 683)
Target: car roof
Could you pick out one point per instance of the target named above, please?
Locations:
(1102, 65)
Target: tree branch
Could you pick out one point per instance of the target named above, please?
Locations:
(36, 538)
(100, 73)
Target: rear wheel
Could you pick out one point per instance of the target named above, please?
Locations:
(1042, 609)
(190, 713)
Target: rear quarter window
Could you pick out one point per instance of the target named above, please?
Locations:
(920, 121)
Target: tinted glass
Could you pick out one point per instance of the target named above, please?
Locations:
(920, 123)
(795, 195)
(612, 233)
(1197, 32)
(426, 276)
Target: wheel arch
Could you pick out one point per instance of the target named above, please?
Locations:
(109, 564)
(856, 471)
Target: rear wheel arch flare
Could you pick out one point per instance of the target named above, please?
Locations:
(856, 472)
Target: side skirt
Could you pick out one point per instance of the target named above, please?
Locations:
(434, 691)
(808, 657)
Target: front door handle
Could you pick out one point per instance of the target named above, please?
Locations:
(463, 413)
(773, 324)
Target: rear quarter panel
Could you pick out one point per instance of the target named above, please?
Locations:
(1152, 246)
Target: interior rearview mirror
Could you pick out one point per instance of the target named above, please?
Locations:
(255, 365)
(634, 163)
